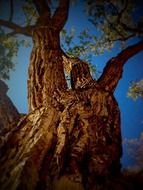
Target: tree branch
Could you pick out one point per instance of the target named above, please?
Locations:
(10, 34)
(121, 39)
(120, 14)
(11, 10)
(132, 30)
(114, 27)
(114, 68)
(27, 30)
(61, 14)
(42, 7)
(136, 30)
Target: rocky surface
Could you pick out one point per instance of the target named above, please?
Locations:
(8, 112)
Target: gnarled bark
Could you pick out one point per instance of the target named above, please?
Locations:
(46, 72)
(71, 138)
(70, 145)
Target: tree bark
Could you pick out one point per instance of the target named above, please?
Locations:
(71, 144)
(71, 138)
(46, 72)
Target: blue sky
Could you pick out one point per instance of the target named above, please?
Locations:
(131, 111)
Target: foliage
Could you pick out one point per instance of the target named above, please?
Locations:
(117, 20)
(113, 20)
(9, 46)
(10, 42)
(8, 50)
(81, 46)
(136, 90)
(29, 12)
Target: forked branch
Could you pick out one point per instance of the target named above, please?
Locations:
(61, 14)
(42, 7)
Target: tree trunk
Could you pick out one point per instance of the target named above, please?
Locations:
(71, 138)
(71, 142)
(54, 149)
(46, 72)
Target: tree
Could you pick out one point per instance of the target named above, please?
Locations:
(71, 137)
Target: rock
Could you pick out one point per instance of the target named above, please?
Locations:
(8, 112)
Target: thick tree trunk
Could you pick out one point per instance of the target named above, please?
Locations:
(71, 138)
(71, 142)
(46, 72)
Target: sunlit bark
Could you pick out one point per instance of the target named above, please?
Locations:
(71, 138)
(46, 72)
